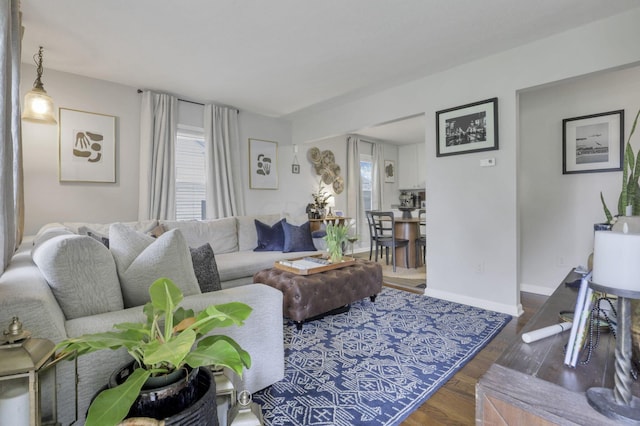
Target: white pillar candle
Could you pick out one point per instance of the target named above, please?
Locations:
(616, 260)
(14, 402)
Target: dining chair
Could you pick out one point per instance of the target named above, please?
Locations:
(388, 241)
(421, 241)
(372, 233)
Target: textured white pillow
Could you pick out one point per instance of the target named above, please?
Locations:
(81, 273)
(141, 260)
(221, 234)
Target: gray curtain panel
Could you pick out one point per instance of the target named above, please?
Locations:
(224, 195)
(11, 195)
(158, 130)
(354, 193)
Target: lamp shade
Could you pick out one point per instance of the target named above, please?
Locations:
(38, 107)
(616, 260)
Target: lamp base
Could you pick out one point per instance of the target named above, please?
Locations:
(603, 401)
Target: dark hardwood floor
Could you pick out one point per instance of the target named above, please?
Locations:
(454, 403)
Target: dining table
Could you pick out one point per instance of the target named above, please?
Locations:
(409, 229)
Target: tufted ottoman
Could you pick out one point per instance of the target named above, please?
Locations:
(310, 296)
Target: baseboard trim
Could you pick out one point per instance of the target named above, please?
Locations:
(514, 310)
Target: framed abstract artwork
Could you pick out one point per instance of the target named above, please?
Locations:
(593, 143)
(87, 146)
(263, 164)
(467, 128)
(389, 171)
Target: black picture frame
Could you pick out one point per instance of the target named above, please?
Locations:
(467, 128)
(593, 143)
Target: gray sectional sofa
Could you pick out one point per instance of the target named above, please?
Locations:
(65, 282)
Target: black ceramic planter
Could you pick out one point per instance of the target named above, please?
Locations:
(190, 400)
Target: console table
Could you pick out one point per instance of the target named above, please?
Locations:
(529, 383)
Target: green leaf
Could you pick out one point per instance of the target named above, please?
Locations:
(174, 351)
(181, 313)
(210, 340)
(165, 295)
(112, 405)
(94, 342)
(221, 353)
(607, 213)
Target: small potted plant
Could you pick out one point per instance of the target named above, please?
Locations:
(629, 199)
(171, 339)
(337, 236)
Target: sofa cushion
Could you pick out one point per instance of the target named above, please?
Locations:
(234, 266)
(297, 238)
(141, 260)
(144, 226)
(49, 232)
(247, 235)
(270, 238)
(205, 268)
(102, 238)
(220, 233)
(81, 273)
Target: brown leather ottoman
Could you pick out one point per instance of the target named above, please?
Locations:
(310, 296)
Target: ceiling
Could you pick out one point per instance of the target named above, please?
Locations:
(279, 57)
(410, 130)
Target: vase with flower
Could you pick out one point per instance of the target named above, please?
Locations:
(336, 238)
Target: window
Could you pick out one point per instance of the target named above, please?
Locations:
(366, 180)
(190, 174)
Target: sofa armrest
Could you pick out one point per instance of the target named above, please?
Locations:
(25, 293)
(261, 335)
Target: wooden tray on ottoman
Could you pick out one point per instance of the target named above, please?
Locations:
(302, 266)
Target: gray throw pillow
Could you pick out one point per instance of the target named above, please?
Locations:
(205, 268)
(141, 260)
(81, 273)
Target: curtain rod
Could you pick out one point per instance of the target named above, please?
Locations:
(199, 103)
(181, 100)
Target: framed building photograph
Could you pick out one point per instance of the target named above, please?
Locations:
(263, 164)
(87, 146)
(593, 143)
(467, 128)
(389, 171)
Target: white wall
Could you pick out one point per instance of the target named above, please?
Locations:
(473, 242)
(49, 200)
(557, 225)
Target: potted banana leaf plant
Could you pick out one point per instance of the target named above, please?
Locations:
(629, 199)
(171, 339)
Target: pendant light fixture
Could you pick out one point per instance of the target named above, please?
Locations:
(38, 106)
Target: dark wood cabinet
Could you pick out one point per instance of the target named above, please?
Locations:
(530, 385)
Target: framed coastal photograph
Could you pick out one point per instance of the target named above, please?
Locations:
(467, 128)
(263, 164)
(389, 171)
(87, 146)
(593, 143)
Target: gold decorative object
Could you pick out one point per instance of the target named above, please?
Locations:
(24, 357)
(338, 185)
(314, 155)
(328, 158)
(328, 177)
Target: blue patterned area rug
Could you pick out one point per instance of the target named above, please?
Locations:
(376, 363)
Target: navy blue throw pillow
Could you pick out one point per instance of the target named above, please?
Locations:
(297, 238)
(270, 238)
